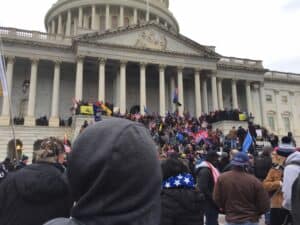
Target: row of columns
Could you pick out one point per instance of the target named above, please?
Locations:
(217, 93)
(80, 20)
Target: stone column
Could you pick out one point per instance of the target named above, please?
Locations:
(214, 91)
(68, 25)
(5, 114)
(220, 94)
(294, 111)
(80, 17)
(30, 118)
(93, 24)
(157, 19)
(54, 119)
(123, 87)
(143, 91)
(107, 18)
(280, 127)
(205, 97)
(249, 97)
(262, 103)
(135, 16)
(53, 27)
(172, 84)
(101, 87)
(59, 29)
(79, 78)
(180, 90)
(162, 90)
(198, 103)
(121, 21)
(235, 104)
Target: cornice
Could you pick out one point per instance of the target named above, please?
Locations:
(88, 38)
(232, 67)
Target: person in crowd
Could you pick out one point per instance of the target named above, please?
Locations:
(23, 162)
(274, 140)
(295, 211)
(224, 161)
(240, 195)
(228, 167)
(207, 176)
(38, 192)
(273, 184)
(115, 176)
(291, 172)
(290, 135)
(181, 203)
(241, 134)
(232, 136)
(3, 172)
(7, 163)
(263, 163)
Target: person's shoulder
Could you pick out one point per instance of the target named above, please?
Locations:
(62, 221)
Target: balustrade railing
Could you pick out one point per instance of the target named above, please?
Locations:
(33, 35)
(240, 61)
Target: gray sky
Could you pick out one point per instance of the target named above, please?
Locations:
(258, 29)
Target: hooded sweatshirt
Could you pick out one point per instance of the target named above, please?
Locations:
(115, 176)
(291, 172)
(34, 195)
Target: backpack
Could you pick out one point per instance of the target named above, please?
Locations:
(262, 165)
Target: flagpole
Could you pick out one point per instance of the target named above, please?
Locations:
(148, 14)
(9, 100)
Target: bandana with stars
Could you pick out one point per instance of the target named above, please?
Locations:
(184, 180)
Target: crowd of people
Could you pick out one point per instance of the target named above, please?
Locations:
(155, 170)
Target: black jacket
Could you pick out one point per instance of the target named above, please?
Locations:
(34, 195)
(296, 201)
(115, 176)
(181, 207)
(205, 182)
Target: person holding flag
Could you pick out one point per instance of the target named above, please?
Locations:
(247, 143)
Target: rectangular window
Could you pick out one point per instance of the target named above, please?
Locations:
(284, 99)
(269, 98)
(271, 122)
(287, 124)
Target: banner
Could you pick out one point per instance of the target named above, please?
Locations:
(3, 83)
(242, 117)
(86, 110)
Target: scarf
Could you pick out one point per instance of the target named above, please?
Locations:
(184, 180)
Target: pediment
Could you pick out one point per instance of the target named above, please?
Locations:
(151, 37)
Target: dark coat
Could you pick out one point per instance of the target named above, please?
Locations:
(33, 195)
(205, 183)
(296, 201)
(181, 207)
(114, 175)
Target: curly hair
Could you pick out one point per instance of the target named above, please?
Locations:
(49, 150)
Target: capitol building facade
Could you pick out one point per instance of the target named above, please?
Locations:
(131, 53)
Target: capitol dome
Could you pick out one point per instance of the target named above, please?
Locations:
(73, 17)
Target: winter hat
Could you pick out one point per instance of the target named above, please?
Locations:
(49, 151)
(277, 159)
(240, 159)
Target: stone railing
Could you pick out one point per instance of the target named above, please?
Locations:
(33, 35)
(282, 76)
(242, 62)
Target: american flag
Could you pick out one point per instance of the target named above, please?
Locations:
(3, 83)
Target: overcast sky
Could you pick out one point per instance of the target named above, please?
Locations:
(258, 29)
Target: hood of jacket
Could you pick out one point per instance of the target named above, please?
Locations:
(115, 175)
(293, 158)
(39, 182)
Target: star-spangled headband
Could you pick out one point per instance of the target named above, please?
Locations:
(184, 180)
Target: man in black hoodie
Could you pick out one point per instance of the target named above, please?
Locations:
(38, 192)
(115, 176)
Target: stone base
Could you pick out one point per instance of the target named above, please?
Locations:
(29, 121)
(4, 120)
(54, 122)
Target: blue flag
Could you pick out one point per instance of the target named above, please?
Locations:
(247, 143)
